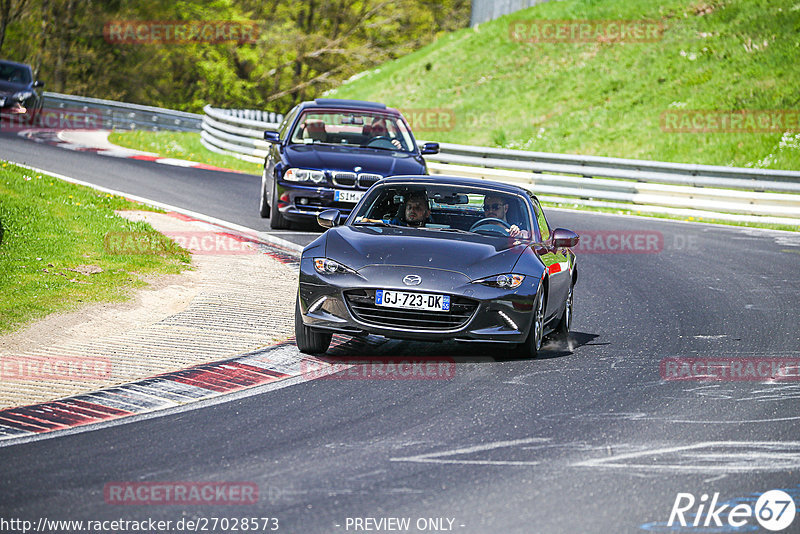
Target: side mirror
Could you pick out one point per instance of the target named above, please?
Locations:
(272, 137)
(563, 238)
(328, 218)
(38, 83)
(430, 148)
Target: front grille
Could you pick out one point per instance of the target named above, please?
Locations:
(366, 180)
(346, 179)
(362, 305)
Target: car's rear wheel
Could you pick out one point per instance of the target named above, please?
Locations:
(276, 221)
(308, 340)
(264, 205)
(533, 343)
(561, 332)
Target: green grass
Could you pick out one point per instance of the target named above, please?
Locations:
(607, 98)
(181, 145)
(50, 230)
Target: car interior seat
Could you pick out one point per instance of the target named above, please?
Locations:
(315, 129)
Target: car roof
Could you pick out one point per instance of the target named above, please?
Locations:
(15, 63)
(439, 179)
(335, 103)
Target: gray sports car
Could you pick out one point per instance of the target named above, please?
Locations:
(436, 258)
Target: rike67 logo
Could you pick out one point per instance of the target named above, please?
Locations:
(774, 510)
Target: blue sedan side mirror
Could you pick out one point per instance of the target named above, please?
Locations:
(430, 148)
(272, 137)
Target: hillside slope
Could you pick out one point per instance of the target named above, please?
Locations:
(608, 97)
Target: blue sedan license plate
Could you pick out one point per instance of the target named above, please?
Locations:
(413, 301)
(347, 196)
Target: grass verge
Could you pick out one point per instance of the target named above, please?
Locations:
(52, 249)
(181, 145)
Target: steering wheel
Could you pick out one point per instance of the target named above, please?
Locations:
(491, 224)
(381, 141)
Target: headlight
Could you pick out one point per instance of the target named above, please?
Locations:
(502, 281)
(304, 175)
(328, 266)
(22, 95)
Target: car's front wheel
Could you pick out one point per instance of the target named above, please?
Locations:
(308, 340)
(533, 343)
(276, 221)
(264, 205)
(561, 332)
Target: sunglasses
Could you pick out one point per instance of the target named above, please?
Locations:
(492, 207)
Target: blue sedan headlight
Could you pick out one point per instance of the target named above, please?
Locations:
(502, 281)
(329, 266)
(22, 95)
(304, 175)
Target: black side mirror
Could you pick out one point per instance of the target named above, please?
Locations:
(430, 148)
(38, 83)
(563, 238)
(272, 137)
(328, 218)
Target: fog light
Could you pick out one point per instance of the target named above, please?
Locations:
(508, 320)
(303, 201)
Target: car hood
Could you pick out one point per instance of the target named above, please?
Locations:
(474, 256)
(345, 158)
(8, 88)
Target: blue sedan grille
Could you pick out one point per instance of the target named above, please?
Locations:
(362, 305)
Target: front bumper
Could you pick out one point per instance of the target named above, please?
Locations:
(341, 303)
(300, 202)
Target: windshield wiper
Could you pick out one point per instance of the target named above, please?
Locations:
(456, 230)
(375, 223)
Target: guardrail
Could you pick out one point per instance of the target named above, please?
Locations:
(124, 116)
(726, 193)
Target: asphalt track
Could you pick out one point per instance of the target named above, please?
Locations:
(588, 438)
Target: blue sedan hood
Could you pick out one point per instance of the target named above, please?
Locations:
(474, 256)
(344, 158)
(9, 88)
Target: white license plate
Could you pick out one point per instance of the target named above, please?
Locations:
(347, 196)
(413, 301)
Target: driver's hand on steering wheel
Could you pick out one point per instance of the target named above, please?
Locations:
(396, 142)
(514, 231)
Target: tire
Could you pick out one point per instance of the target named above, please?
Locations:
(561, 333)
(263, 208)
(309, 341)
(532, 345)
(276, 221)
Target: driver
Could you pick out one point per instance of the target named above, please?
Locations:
(417, 209)
(379, 128)
(497, 207)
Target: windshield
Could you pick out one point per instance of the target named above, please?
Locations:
(446, 208)
(360, 128)
(14, 74)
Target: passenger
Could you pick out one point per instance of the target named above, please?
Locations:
(497, 208)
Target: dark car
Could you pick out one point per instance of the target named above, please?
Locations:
(476, 262)
(326, 153)
(19, 91)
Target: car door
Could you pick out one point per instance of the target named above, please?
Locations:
(555, 261)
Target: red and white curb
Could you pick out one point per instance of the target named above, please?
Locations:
(170, 390)
(100, 145)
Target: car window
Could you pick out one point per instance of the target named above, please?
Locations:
(14, 74)
(282, 129)
(544, 228)
(451, 207)
(357, 128)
